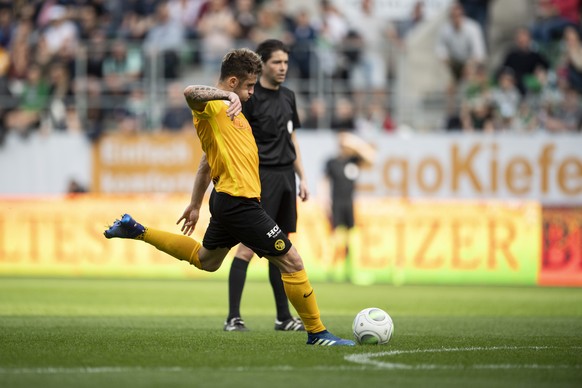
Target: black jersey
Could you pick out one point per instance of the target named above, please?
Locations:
(343, 173)
(273, 118)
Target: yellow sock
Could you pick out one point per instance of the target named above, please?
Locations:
(302, 297)
(177, 245)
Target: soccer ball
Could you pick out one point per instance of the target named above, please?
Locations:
(373, 326)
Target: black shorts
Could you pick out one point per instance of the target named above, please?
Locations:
(238, 219)
(279, 196)
(343, 214)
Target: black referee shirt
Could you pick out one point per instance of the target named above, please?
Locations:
(273, 118)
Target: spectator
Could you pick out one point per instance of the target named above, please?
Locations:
(525, 120)
(5, 95)
(477, 83)
(571, 63)
(332, 30)
(177, 116)
(333, 24)
(460, 45)
(74, 187)
(96, 52)
(476, 111)
(344, 117)
(136, 108)
(32, 103)
(368, 72)
(271, 24)
(122, 67)
(566, 116)
(87, 21)
(523, 60)
(135, 20)
(61, 93)
(20, 53)
(478, 10)
(544, 91)
(303, 38)
(60, 36)
(166, 39)
(187, 13)
(477, 115)
(552, 17)
(246, 17)
(6, 26)
(402, 28)
(374, 121)
(218, 29)
(94, 119)
(316, 115)
(506, 99)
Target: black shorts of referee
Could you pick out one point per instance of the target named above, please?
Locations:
(279, 196)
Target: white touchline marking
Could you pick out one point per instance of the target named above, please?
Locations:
(363, 361)
(369, 359)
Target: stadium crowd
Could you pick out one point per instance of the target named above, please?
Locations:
(92, 64)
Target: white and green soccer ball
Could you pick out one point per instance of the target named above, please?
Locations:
(373, 326)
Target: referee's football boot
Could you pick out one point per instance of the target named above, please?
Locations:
(291, 324)
(325, 338)
(127, 227)
(235, 324)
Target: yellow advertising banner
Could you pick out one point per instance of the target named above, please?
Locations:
(145, 163)
(394, 241)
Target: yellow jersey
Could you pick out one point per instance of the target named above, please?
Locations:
(231, 150)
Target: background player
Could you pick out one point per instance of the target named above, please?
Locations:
(231, 160)
(341, 173)
(272, 114)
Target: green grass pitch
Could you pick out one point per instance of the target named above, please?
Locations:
(163, 333)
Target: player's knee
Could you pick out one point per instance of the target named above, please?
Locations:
(291, 261)
(210, 267)
(244, 253)
(210, 263)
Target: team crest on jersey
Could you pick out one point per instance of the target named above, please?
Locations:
(279, 245)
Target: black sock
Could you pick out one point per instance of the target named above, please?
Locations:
(236, 284)
(281, 301)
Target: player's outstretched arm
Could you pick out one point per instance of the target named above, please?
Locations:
(192, 212)
(361, 147)
(198, 95)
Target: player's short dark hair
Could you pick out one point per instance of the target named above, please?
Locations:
(240, 63)
(268, 47)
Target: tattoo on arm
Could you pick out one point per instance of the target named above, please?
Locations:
(201, 93)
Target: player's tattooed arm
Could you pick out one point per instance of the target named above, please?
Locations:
(198, 95)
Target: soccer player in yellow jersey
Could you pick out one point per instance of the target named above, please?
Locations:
(230, 160)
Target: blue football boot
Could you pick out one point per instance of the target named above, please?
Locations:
(127, 227)
(325, 338)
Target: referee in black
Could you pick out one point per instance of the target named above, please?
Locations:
(272, 114)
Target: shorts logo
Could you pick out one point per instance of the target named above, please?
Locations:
(279, 245)
(273, 232)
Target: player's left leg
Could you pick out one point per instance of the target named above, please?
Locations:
(237, 276)
(285, 321)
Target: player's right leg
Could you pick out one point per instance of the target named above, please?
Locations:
(302, 297)
(179, 246)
